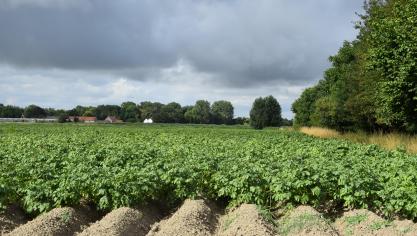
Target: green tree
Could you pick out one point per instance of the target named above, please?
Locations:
(273, 111)
(102, 111)
(304, 107)
(129, 112)
(89, 113)
(172, 113)
(222, 112)
(81, 110)
(33, 111)
(345, 98)
(200, 113)
(151, 110)
(390, 30)
(184, 110)
(9, 111)
(258, 114)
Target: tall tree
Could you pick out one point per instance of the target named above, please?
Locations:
(390, 30)
(129, 112)
(200, 113)
(273, 111)
(151, 110)
(102, 111)
(258, 114)
(33, 111)
(304, 107)
(10, 111)
(222, 112)
(172, 113)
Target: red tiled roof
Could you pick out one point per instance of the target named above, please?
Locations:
(87, 118)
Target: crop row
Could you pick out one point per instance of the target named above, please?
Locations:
(47, 166)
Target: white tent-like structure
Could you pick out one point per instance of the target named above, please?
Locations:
(148, 121)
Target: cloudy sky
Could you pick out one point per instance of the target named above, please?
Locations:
(60, 53)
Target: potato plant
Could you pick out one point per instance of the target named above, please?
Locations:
(47, 166)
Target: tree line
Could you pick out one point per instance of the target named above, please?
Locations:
(220, 112)
(265, 112)
(372, 82)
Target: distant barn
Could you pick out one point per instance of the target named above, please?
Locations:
(85, 119)
(112, 119)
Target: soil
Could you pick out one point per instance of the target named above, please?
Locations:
(11, 218)
(305, 220)
(200, 217)
(59, 221)
(244, 221)
(194, 218)
(364, 222)
(124, 221)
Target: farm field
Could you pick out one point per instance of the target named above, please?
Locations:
(61, 170)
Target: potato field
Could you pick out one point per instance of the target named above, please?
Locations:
(46, 166)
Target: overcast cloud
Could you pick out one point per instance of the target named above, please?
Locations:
(60, 53)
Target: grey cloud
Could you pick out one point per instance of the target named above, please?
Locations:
(106, 35)
(239, 42)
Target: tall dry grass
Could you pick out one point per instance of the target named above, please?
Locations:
(320, 132)
(388, 141)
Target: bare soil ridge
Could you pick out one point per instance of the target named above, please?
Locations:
(59, 221)
(201, 218)
(305, 220)
(194, 217)
(364, 222)
(124, 221)
(245, 220)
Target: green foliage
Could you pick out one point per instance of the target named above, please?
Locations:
(102, 111)
(222, 112)
(10, 111)
(392, 40)
(200, 113)
(265, 112)
(304, 107)
(81, 111)
(89, 113)
(46, 166)
(129, 112)
(372, 83)
(33, 111)
(172, 113)
(258, 116)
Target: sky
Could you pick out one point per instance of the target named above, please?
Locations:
(63, 53)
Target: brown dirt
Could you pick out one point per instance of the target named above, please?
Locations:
(59, 221)
(11, 218)
(246, 221)
(364, 222)
(194, 218)
(305, 220)
(405, 227)
(124, 221)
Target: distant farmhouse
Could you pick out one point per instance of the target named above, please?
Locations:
(85, 119)
(112, 119)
